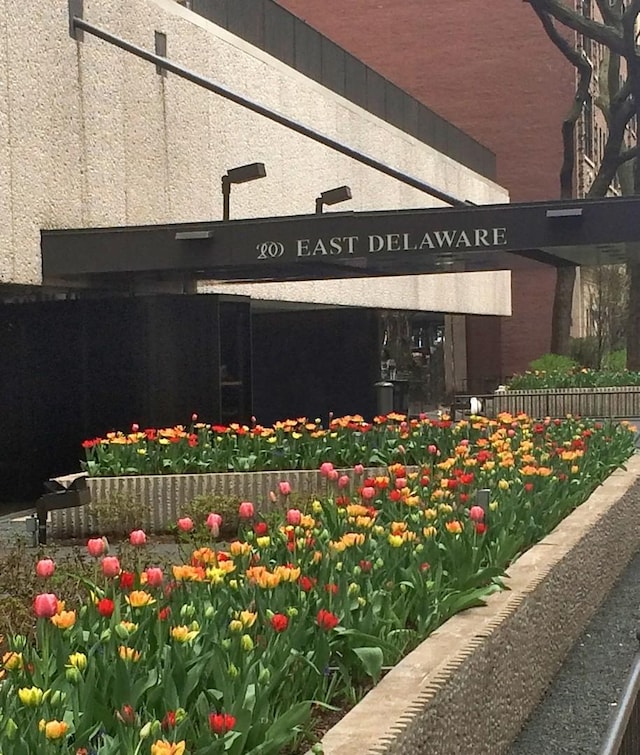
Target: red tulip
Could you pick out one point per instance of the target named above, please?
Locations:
(105, 607)
(221, 723)
(185, 524)
(246, 510)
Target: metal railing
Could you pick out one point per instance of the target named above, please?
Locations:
(623, 734)
(278, 32)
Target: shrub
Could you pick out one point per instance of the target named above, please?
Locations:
(616, 361)
(202, 505)
(119, 514)
(553, 363)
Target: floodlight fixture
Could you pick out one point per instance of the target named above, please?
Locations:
(239, 175)
(332, 196)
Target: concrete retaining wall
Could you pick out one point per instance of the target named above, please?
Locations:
(472, 684)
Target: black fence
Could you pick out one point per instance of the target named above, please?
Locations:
(270, 27)
(623, 735)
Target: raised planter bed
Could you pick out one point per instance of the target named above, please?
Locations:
(472, 684)
(164, 495)
(620, 402)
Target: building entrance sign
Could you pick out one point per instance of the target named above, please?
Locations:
(337, 245)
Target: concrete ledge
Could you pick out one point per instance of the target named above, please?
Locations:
(472, 684)
(163, 495)
(617, 401)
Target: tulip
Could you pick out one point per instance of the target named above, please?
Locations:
(246, 510)
(110, 566)
(358, 469)
(137, 538)
(185, 524)
(284, 487)
(368, 493)
(432, 449)
(476, 513)
(154, 576)
(221, 723)
(325, 468)
(45, 605)
(31, 696)
(45, 568)
(54, 729)
(96, 546)
(401, 482)
(343, 481)
(214, 521)
(294, 516)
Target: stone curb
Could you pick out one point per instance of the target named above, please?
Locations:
(472, 684)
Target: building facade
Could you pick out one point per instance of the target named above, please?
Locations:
(490, 69)
(91, 136)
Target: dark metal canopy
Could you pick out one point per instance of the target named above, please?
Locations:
(353, 244)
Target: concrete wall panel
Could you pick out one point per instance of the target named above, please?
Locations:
(91, 136)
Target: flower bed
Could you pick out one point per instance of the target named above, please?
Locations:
(234, 649)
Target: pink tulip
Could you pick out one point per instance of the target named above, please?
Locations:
(96, 546)
(432, 449)
(358, 469)
(45, 605)
(110, 566)
(401, 482)
(154, 576)
(137, 538)
(476, 513)
(194, 417)
(333, 475)
(368, 493)
(325, 468)
(45, 568)
(214, 520)
(135, 428)
(343, 481)
(185, 524)
(284, 487)
(246, 510)
(294, 517)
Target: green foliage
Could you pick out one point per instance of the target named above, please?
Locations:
(553, 363)
(616, 361)
(580, 379)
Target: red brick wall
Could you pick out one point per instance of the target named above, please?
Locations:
(486, 66)
(489, 68)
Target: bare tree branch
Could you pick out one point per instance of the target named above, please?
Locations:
(599, 32)
(610, 14)
(628, 154)
(584, 68)
(612, 156)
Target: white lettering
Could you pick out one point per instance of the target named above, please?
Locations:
(463, 239)
(350, 241)
(376, 243)
(303, 247)
(335, 244)
(445, 238)
(499, 236)
(482, 237)
(427, 242)
(393, 242)
(319, 248)
(405, 241)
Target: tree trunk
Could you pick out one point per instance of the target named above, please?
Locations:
(633, 324)
(561, 318)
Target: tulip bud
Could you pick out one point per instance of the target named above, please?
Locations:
(105, 636)
(264, 676)
(145, 731)
(187, 611)
(11, 729)
(209, 612)
(233, 671)
(72, 674)
(246, 643)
